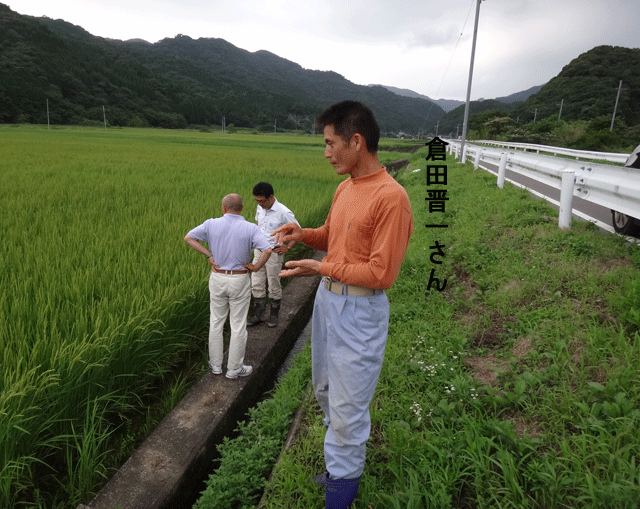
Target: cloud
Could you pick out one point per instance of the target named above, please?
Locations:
(432, 39)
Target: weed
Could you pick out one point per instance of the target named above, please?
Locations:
(517, 386)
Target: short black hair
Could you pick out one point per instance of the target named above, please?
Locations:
(349, 118)
(263, 189)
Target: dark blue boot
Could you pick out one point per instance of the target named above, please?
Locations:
(339, 493)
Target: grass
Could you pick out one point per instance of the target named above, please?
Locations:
(515, 387)
(246, 461)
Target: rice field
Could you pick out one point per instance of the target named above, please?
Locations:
(101, 296)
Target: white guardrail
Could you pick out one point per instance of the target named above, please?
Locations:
(610, 186)
(611, 157)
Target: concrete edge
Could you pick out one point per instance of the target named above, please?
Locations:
(166, 471)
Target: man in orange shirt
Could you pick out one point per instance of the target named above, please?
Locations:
(366, 236)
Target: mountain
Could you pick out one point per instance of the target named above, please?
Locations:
(175, 82)
(519, 96)
(450, 104)
(587, 88)
(445, 104)
(180, 82)
(451, 123)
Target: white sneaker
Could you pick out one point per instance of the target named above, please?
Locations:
(216, 370)
(243, 371)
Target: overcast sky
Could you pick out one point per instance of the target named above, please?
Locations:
(421, 45)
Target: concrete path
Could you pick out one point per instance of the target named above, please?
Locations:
(167, 470)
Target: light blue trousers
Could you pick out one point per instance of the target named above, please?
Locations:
(348, 339)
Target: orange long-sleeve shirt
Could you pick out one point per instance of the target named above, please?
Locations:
(366, 232)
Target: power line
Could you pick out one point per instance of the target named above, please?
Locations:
(449, 64)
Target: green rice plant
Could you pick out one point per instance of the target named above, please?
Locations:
(84, 455)
(102, 298)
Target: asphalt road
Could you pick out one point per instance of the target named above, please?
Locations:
(582, 209)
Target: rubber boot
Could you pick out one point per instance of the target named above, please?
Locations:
(320, 479)
(340, 493)
(273, 316)
(260, 306)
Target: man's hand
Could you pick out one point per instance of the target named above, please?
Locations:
(251, 267)
(213, 264)
(287, 233)
(284, 248)
(301, 268)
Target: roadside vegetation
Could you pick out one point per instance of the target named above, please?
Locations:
(515, 387)
(595, 134)
(573, 110)
(242, 472)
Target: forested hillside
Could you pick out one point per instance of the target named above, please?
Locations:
(172, 83)
(180, 82)
(586, 89)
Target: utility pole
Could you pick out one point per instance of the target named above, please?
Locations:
(616, 106)
(48, 125)
(560, 112)
(466, 108)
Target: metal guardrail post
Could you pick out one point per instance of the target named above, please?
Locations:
(478, 156)
(613, 187)
(502, 169)
(566, 198)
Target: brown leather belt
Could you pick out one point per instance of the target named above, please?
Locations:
(337, 287)
(243, 271)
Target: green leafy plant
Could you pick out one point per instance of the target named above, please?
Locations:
(516, 386)
(247, 460)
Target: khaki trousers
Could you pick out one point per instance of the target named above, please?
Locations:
(229, 295)
(268, 274)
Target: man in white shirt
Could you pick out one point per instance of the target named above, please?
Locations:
(230, 239)
(270, 214)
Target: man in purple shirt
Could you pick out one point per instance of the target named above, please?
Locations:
(231, 239)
